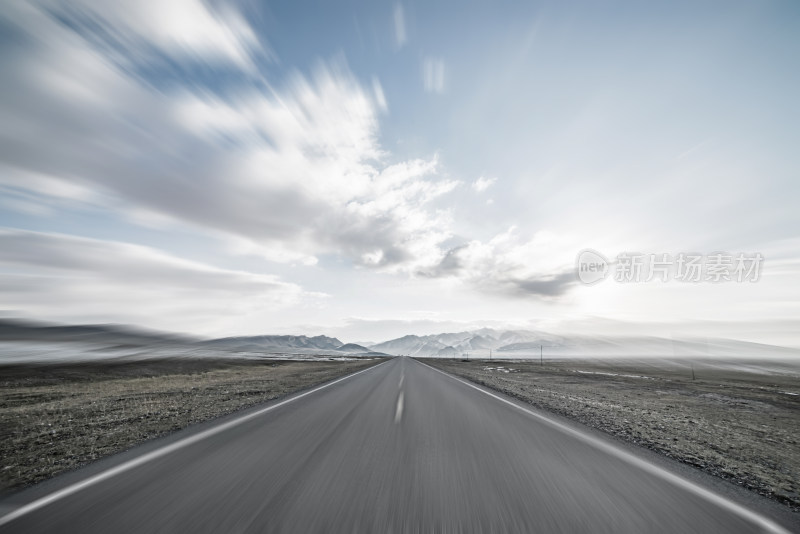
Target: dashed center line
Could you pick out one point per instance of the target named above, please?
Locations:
(398, 414)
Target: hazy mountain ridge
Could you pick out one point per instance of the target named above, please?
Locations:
(458, 343)
(354, 348)
(525, 343)
(21, 340)
(16, 330)
(275, 342)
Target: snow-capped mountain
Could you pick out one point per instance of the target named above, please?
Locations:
(532, 344)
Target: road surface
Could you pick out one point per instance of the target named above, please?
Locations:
(400, 447)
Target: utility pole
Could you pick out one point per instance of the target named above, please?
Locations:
(490, 354)
(541, 356)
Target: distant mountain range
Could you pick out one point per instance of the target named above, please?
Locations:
(475, 342)
(256, 343)
(293, 344)
(479, 343)
(120, 338)
(530, 344)
(17, 330)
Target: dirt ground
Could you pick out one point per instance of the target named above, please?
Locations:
(54, 418)
(739, 425)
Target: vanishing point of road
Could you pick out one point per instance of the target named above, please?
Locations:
(399, 447)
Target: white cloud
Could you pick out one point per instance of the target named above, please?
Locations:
(66, 277)
(542, 266)
(45, 186)
(433, 75)
(20, 204)
(380, 98)
(182, 29)
(399, 25)
(482, 184)
(322, 163)
(288, 172)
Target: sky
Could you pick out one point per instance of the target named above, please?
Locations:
(370, 169)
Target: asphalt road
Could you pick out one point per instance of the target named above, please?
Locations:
(399, 447)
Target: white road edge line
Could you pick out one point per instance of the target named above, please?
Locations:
(653, 469)
(398, 413)
(163, 451)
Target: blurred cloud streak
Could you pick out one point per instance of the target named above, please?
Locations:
(399, 25)
(77, 275)
(433, 75)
